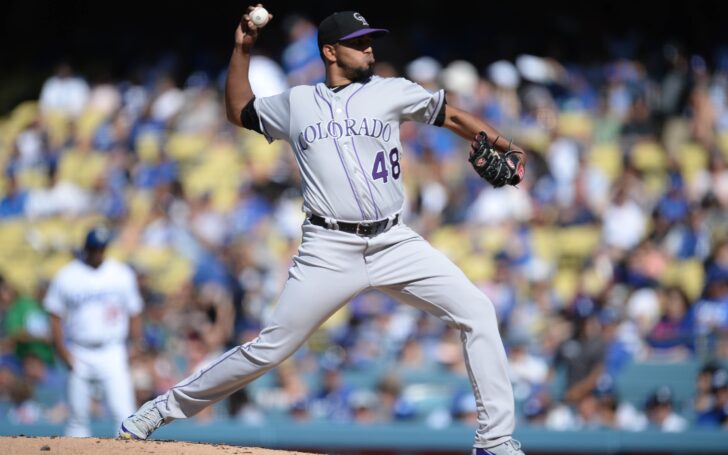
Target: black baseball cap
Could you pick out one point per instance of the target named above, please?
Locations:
(345, 25)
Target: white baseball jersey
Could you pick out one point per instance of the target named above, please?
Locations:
(94, 304)
(347, 142)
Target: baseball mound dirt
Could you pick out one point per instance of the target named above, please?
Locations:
(17, 445)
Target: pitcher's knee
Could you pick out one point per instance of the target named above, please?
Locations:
(480, 313)
(263, 356)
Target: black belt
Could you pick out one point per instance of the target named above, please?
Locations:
(92, 344)
(368, 229)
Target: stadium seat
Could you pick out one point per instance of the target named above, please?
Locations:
(185, 147)
(166, 269)
(492, 238)
(51, 264)
(58, 126)
(688, 275)
(23, 115)
(477, 267)
(81, 167)
(544, 243)
(449, 240)
(148, 147)
(176, 272)
(723, 143)
(576, 124)
(692, 158)
(21, 273)
(566, 283)
(31, 178)
(13, 238)
(608, 158)
(579, 241)
(648, 156)
(638, 380)
(87, 124)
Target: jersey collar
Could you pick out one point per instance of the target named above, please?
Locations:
(338, 88)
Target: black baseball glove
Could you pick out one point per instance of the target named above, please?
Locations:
(494, 168)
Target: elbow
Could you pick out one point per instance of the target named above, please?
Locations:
(232, 118)
(233, 115)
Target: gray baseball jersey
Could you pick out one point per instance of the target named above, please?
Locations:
(348, 148)
(347, 142)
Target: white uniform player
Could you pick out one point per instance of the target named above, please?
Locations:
(92, 301)
(345, 137)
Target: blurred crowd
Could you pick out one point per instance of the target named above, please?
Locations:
(612, 253)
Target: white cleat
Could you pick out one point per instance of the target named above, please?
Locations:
(142, 423)
(511, 447)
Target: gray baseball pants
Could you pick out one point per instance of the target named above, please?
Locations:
(333, 266)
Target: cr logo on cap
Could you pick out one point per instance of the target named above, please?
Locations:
(361, 19)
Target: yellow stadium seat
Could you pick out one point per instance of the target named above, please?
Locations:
(24, 114)
(692, 158)
(33, 178)
(140, 205)
(579, 241)
(338, 319)
(692, 277)
(492, 238)
(224, 199)
(148, 147)
(199, 181)
(5, 139)
(575, 124)
(151, 258)
(260, 153)
(566, 283)
(723, 143)
(87, 124)
(477, 267)
(536, 139)
(593, 282)
(21, 272)
(52, 234)
(655, 184)
(608, 158)
(79, 227)
(58, 126)
(648, 156)
(13, 240)
(81, 167)
(175, 273)
(688, 275)
(545, 243)
(50, 265)
(449, 240)
(186, 146)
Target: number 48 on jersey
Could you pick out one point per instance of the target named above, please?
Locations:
(379, 170)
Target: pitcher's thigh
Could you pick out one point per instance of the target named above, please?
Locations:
(419, 275)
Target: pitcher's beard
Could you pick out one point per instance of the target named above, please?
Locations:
(358, 74)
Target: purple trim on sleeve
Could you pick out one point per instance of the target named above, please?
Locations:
(377, 212)
(341, 158)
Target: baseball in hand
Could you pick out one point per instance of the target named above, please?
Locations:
(259, 16)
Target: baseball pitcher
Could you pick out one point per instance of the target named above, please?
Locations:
(345, 137)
